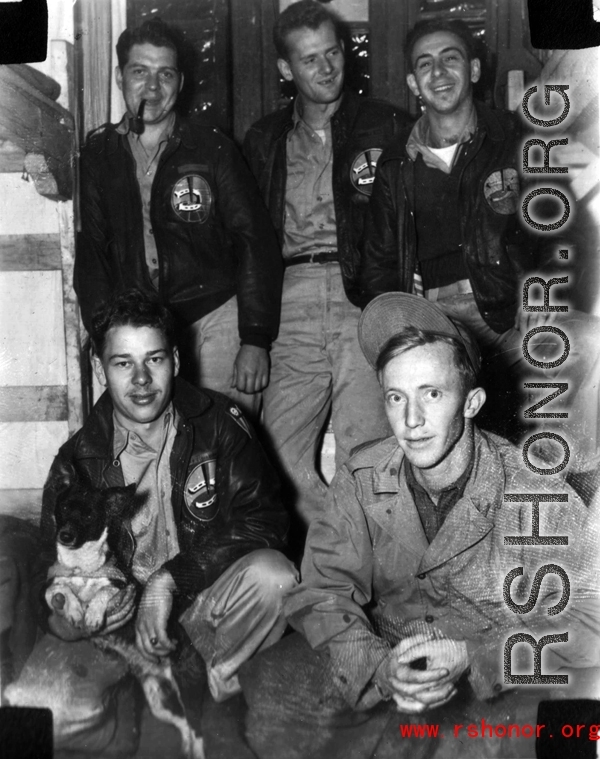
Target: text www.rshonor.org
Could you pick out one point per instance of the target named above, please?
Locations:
(486, 730)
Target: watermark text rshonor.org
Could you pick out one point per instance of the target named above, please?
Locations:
(484, 729)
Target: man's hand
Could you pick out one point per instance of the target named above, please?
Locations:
(439, 652)
(419, 690)
(413, 690)
(153, 616)
(251, 369)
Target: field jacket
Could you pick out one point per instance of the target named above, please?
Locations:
(369, 576)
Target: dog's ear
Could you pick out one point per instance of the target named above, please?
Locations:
(121, 502)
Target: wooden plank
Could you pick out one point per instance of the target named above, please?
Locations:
(32, 328)
(11, 156)
(29, 252)
(25, 504)
(27, 450)
(74, 331)
(62, 55)
(33, 403)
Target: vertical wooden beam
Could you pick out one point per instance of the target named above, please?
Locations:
(73, 328)
(62, 56)
(390, 21)
(270, 83)
(255, 84)
(94, 46)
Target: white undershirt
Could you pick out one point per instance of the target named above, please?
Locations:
(446, 154)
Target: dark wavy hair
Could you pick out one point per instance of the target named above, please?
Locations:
(413, 337)
(153, 31)
(131, 308)
(305, 13)
(430, 26)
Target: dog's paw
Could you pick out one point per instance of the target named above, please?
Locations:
(94, 620)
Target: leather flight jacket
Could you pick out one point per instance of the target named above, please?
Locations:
(213, 234)
(497, 248)
(225, 497)
(361, 128)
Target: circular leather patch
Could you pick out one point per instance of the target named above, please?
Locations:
(191, 198)
(362, 171)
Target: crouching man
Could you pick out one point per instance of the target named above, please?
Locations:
(402, 605)
(204, 543)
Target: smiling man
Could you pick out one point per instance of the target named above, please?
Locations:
(315, 163)
(444, 221)
(169, 206)
(203, 542)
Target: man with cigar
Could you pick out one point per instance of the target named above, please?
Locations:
(169, 206)
(402, 598)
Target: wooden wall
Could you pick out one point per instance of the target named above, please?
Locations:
(40, 378)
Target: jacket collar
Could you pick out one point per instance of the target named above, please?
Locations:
(487, 124)
(96, 438)
(484, 488)
(470, 520)
(181, 132)
(342, 120)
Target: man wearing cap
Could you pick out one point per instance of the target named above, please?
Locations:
(402, 595)
(315, 164)
(443, 221)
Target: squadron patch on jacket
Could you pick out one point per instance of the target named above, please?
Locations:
(200, 493)
(191, 198)
(362, 171)
(501, 191)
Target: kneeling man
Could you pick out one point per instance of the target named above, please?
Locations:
(204, 544)
(402, 596)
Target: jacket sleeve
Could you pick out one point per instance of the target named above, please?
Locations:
(252, 152)
(92, 276)
(337, 576)
(260, 266)
(380, 246)
(580, 615)
(250, 514)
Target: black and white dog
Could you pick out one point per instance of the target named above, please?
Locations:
(88, 573)
(86, 576)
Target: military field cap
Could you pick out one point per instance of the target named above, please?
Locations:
(391, 313)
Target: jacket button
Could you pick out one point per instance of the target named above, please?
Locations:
(421, 576)
(429, 618)
(116, 462)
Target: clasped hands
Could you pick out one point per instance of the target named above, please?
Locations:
(420, 690)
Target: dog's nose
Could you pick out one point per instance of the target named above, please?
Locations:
(66, 537)
(58, 601)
